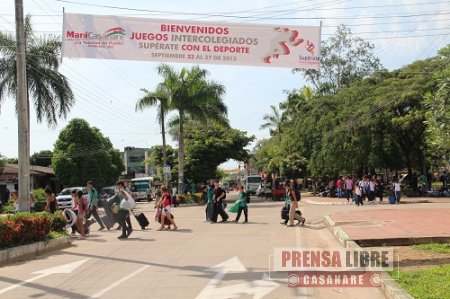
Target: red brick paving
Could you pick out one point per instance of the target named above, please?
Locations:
(394, 223)
(404, 199)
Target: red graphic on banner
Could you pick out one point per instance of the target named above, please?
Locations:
(288, 38)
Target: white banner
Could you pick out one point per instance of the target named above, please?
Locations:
(111, 37)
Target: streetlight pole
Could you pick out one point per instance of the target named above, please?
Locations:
(22, 111)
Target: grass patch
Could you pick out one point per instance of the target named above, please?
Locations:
(434, 247)
(429, 283)
(55, 235)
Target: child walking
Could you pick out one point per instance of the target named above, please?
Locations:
(166, 205)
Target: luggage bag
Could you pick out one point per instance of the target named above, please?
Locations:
(392, 199)
(141, 219)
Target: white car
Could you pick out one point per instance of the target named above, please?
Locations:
(64, 199)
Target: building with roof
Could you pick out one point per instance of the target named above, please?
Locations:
(39, 178)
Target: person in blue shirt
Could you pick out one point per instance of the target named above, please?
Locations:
(242, 205)
(93, 201)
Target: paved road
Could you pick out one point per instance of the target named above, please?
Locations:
(174, 264)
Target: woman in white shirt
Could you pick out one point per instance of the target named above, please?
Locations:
(397, 190)
(358, 193)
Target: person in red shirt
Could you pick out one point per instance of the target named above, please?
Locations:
(166, 204)
(339, 187)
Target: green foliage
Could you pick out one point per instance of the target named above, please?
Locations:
(58, 222)
(49, 89)
(2, 163)
(193, 96)
(82, 153)
(11, 160)
(24, 228)
(40, 201)
(42, 158)
(434, 247)
(438, 103)
(208, 147)
(156, 159)
(375, 123)
(429, 283)
(344, 59)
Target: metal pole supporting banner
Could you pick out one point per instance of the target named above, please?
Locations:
(22, 112)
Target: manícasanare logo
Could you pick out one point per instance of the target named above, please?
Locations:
(116, 33)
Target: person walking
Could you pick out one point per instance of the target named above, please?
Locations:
(166, 206)
(358, 193)
(82, 208)
(123, 215)
(380, 187)
(291, 200)
(396, 187)
(51, 205)
(209, 209)
(242, 205)
(93, 202)
(349, 187)
(218, 197)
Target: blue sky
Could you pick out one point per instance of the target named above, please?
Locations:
(107, 90)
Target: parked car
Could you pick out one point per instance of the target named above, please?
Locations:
(64, 199)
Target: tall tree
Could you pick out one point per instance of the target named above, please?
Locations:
(273, 121)
(42, 158)
(209, 146)
(344, 59)
(192, 96)
(438, 104)
(160, 98)
(48, 88)
(156, 160)
(82, 153)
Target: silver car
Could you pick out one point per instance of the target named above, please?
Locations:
(64, 199)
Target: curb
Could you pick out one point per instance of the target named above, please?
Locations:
(389, 287)
(323, 203)
(328, 203)
(24, 252)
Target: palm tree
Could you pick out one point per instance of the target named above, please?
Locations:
(274, 122)
(193, 97)
(49, 89)
(160, 97)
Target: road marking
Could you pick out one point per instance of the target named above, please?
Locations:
(63, 269)
(112, 286)
(259, 288)
(303, 291)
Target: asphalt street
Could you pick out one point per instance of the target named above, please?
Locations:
(200, 260)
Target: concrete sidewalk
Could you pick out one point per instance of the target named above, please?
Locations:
(389, 227)
(317, 200)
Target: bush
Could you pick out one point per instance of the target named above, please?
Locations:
(23, 228)
(58, 222)
(40, 200)
(189, 199)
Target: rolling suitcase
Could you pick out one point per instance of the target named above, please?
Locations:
(392, 199)
(285, 213)
(210, 210)
(141, 219)
(107, 221)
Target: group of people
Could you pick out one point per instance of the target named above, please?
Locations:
(215, 206)
(50, 206)
(84, 207)
(361, 189)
